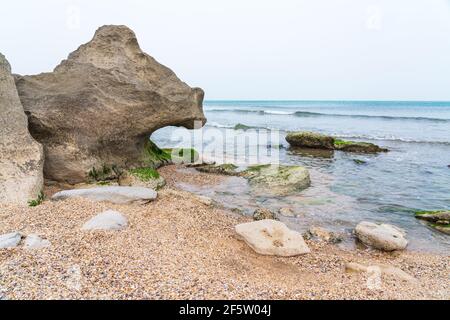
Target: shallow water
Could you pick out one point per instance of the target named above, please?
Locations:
(387, 188)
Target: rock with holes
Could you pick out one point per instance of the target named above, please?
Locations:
(119, 195)
(99, 106)
(108, 220)
(21, 157)
(263, 214)
(274, 238)
(384, 237)
(10, 240)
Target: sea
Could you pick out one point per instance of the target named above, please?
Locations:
(346, 187)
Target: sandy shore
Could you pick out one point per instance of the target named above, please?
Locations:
(180, 248)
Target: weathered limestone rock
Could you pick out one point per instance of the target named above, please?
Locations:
(119, 195)
(277, 180)
(381, 236)
(382, 269)
(34, 241)
(263, 214)
(10, 240)
(270, 237)
(21, 157)
(100, 106)
(108, 220)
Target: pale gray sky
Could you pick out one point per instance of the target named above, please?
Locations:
(256, 49)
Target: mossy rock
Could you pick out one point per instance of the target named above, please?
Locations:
(104, 174)
(361, 147)
(183, 155)
(276, 179)
(433, 216)
(155, 157)
(142, 177)
(310, 140)
(438, 220)
(226, 169)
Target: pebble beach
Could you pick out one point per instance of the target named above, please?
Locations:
(183, 247)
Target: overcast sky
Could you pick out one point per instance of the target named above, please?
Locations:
(256, 49)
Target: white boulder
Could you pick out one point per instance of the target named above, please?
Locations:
(270, 237)
(384, 237)
(33, 241)
(108, 220)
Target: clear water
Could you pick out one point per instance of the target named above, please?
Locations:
(415, 175)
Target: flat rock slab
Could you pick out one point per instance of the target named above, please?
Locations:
(108, 220)
(382, 269)
(384, 237)
(10, 240)
(119, 195)
(33, 241)
(274, 238)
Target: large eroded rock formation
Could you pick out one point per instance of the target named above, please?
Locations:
(100, 105)
(21, 157)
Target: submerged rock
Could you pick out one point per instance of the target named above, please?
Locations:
(320, 141)
(21, 157)
(277, 179)
(360, 147)
(438, 220)
(324, 235)
(10, 240)
(227, 169)
(264, 214)
(270, 237)
(100, 105)
(119, 195)
(108, 220)
(384, 237)
(34, 241)
(310, 140)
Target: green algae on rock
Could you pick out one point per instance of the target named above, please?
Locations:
(438, 220)
(320, 141)
(310, 140)
(277, 179)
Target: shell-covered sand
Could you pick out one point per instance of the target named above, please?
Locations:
(177, 247)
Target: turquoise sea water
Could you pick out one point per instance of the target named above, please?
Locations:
(415, 175)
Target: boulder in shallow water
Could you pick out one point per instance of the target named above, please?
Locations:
(384, 237)
(21, 157)
(320, 141)
(358, 147)
(10, 240)
(108, 220)
(324, 235)
(310, 140)
(119, 195)
(277, 179)
(264, 214)
(101, 104)
(274, 238)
